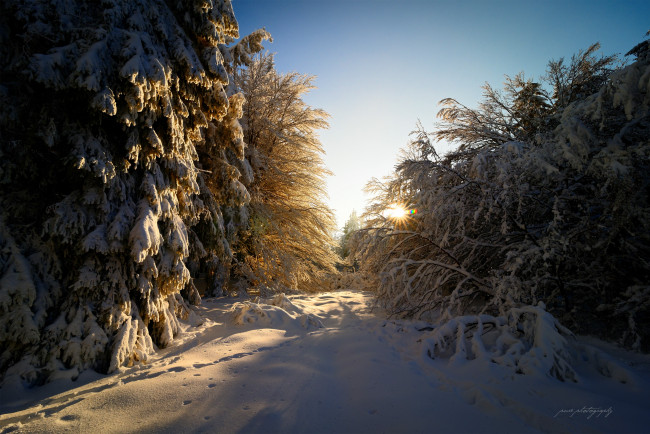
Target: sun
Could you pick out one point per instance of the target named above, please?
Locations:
(396, 212)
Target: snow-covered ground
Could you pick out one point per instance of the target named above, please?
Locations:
(324, 363)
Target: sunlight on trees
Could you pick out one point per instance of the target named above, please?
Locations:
(288, 243)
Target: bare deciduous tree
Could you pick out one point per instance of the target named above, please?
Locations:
(289, 242)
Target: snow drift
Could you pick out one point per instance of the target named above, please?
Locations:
(277, 311)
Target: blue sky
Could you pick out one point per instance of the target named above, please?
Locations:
(382, 65)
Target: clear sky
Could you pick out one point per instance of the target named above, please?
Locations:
(384, 64)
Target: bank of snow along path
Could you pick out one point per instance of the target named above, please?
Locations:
(324, 363)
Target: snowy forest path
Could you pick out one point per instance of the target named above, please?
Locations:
(285, 375)
(315, 363)
(282, 376)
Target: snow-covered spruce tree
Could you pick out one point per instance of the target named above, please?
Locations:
(512, 218)
(224, 172)
(288, 243)
(104, 109)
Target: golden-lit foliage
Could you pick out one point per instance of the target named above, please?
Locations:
(289, 241)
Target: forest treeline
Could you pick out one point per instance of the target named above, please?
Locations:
(543, 202)
(145, 151)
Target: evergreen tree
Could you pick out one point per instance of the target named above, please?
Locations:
(352, 225)
(530, 107)
(104, 112)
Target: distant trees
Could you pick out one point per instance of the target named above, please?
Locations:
(288, 240)
(121, 162)
(545, 199)
(352, 225)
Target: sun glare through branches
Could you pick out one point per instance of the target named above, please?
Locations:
(398, 212)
